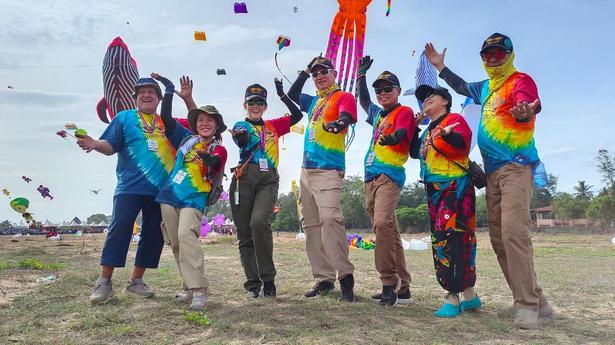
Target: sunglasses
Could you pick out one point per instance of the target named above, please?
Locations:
(258, 102)
(499, 54)
(321, 72)
(385, 89)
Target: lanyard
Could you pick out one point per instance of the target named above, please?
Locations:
(262, 136)
(318, 111)
(380, 128)
(148, 129)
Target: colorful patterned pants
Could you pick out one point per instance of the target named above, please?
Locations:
(452, 215)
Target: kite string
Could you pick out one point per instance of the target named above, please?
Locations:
(275, 58)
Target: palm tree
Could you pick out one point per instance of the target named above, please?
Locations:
(583, 191)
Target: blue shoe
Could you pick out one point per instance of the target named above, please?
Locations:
(474, 303)
(448, 310)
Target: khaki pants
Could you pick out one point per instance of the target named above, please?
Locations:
(323, 223)
(181, 230)
(381, 197)
(509, 190)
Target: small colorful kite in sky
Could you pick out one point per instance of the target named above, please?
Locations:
(240, 7)
(200, 36)
(283, 41)
(44, 192)
(26, 178)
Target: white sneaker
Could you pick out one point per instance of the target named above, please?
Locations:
(184, 297)
(199, 301)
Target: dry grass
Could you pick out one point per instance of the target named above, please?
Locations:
(577, 273)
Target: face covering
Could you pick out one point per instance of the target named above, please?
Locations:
(499, 74)
(324, 93)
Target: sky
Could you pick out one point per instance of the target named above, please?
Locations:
(52, 54)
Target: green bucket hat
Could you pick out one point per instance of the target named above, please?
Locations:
(206, 109)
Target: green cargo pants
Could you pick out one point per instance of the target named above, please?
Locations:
(258, 193)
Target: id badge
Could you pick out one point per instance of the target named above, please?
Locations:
(370, 158)
(312, 135)
(179, 177)
(152, 145)
(236, 194)
(263, 165)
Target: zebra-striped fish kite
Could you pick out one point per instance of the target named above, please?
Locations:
(119, 77)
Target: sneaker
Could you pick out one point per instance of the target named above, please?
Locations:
(320, 288)
(526, 319)
(347, 287)
(448, 310)
(474, 303)
(199, 301)
(103, 291)
(389, 296)
(404, 296)
(269, 289)
(138, 287)
(253, 293)
(184, 297)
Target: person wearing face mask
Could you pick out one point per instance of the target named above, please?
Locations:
(443, 152)
(255, 183)
(145, 149)
(510, 104)
(330, 113)
(393, 131)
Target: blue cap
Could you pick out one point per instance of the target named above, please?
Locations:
(147, 82)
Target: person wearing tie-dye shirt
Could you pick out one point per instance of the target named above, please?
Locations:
(324, 162)
(393, 130)
(146, 152)
(254, 188)
(184, 197)
(510, 104)
(443, 152)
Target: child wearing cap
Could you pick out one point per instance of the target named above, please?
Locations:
(393, 131)
(184, 197)
(443, 152)
(255, 183)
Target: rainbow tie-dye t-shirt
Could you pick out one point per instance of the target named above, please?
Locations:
(389, 159)
(434, 166)
(321, 149)
(501, 138)
(188, 184)
(142, 167)
(266, 145)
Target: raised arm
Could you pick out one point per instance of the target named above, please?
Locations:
(295, 90)
(295, 113)
(364, 99)
(453, 80)
(167, 103)
(185, 92)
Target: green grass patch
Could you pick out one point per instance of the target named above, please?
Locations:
(35, 264)
(197, 318)
(6, 266)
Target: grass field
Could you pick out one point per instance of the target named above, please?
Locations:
(577, 273)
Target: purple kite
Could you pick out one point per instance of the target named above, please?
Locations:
(44, 192)
(26, 178)
(119, 77)
(240, 7)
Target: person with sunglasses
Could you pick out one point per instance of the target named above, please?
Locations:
(393, 131)
(330, 113)
(510, 103)
(443, 152)
(255, 183)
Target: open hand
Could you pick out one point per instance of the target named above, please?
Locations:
(186, 85)
(436, 59)
(334, 126)
(419, 117)
(444, 131)
(365, 64)
(525, 110)
(279, 87)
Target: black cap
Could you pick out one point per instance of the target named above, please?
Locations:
(425, 91)
(256, 91)
(497, 40)
(388, 77)
(324, 62)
